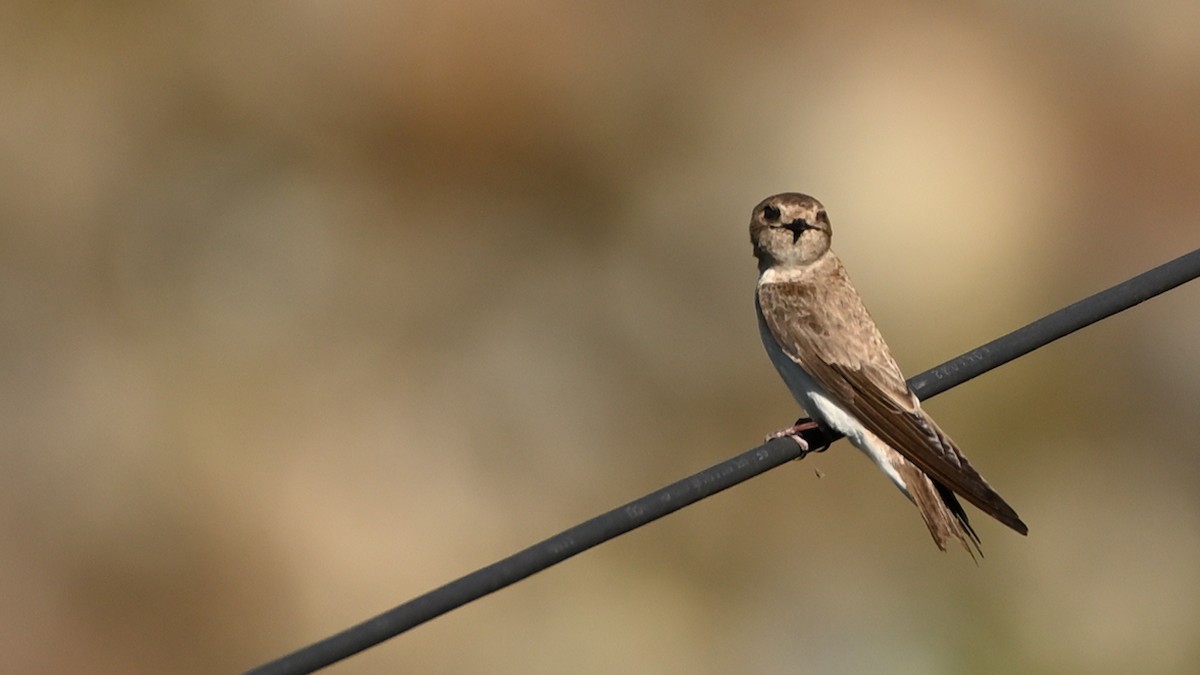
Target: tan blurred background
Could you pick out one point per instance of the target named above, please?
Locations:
(307, 308)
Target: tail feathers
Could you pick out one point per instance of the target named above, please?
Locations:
(941, 511)
(939, 508)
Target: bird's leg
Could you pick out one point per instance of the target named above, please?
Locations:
(795, 432)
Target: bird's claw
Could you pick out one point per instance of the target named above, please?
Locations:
(795, 432)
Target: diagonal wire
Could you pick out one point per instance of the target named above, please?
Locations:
(1059, 324)
(677, 495)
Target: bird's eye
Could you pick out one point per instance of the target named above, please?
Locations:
(770, 213)
(822, 217)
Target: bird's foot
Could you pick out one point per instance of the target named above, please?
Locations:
(795, 432)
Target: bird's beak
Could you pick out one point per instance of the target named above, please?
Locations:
(796, 227)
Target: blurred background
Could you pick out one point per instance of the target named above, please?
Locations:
(307, 308)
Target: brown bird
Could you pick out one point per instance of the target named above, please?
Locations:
(833, 359)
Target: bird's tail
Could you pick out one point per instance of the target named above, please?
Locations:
(941, 511)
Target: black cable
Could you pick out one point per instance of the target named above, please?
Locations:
(1059, 324)
(717, 478)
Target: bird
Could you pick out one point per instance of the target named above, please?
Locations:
(830, 354)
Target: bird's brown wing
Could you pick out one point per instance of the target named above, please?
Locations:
(825, 328)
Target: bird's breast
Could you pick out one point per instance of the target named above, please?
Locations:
(819, 406)
(798, 381)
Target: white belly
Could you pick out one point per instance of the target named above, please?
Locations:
(818, 405)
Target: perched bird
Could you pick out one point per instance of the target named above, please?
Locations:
(833, 359)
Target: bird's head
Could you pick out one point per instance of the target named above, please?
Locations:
(789, 229)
